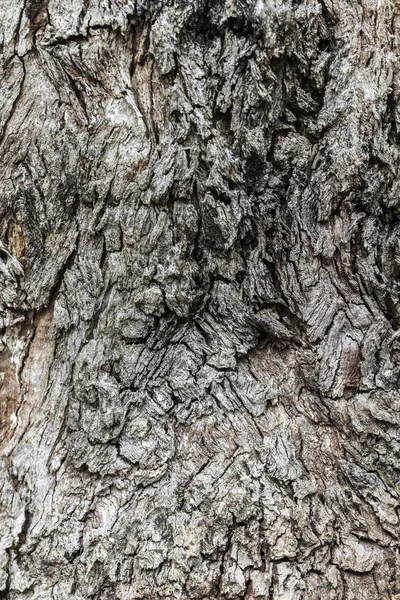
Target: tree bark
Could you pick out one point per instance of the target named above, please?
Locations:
(199, 299)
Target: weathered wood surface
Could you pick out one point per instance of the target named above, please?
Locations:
(199, 295)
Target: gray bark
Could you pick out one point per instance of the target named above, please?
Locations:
(199, 299)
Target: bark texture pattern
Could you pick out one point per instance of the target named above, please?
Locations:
(199, 299)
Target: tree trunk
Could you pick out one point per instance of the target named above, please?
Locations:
(199, 299)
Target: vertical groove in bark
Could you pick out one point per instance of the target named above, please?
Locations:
(199, 300)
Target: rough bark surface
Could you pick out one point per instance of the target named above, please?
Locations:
(199, 299)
